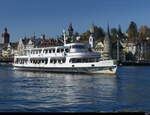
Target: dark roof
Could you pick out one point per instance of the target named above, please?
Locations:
(2, 45)
(14, 45)
(25, 41)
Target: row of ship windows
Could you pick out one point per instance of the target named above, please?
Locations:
(54, 61)
(60, 61)
(38, 61)
(84, 60)
(45, 51)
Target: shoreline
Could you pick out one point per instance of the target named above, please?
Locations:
(134, 64)
(6, 64)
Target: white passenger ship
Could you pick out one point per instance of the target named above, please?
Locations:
(73, 58)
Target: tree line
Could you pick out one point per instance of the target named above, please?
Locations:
(132, 34)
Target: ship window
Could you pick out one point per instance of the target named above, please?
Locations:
(51, 61)
(97, 59)
(73, 46)
(78, 46)
(92, 65)
(92, 60)
(55, 61)
(62, 50)
(83, 60)
(39, 62)
(86, 60)
(78, 61)
(64, 60)
(74, 60)
(46, 51)
(58, 50)
(49, 51)
(59, 61)
(70, 60)
(46, 60)
(53, 50)
(67, 50)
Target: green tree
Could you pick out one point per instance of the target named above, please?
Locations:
(114, 34)
(76, 34)
(132, 31)
(99, 33)
(120, 34)
(144, 32)
(85, 36)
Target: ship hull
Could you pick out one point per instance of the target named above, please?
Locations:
(89, 70)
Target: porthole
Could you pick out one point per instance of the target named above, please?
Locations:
(92, 65)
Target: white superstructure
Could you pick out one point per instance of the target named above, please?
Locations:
(73, 57)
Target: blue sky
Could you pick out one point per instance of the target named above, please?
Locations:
(24, 17)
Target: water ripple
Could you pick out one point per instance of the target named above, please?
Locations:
(34, 92)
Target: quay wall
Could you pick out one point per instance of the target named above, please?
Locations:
(6, 61)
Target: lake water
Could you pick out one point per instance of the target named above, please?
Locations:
(129, 90)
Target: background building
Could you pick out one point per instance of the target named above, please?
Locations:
(5, 36)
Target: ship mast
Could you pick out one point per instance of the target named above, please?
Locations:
(64, 33)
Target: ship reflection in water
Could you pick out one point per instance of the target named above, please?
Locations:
(29, 91)
(62, 91)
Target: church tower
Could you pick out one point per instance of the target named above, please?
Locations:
(5, 36)
(70, 30)
(92, 37)
(107, 45)
(70, 34)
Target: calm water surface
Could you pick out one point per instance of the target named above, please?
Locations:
(51, 92)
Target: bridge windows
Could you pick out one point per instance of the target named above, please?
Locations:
(78, 47)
